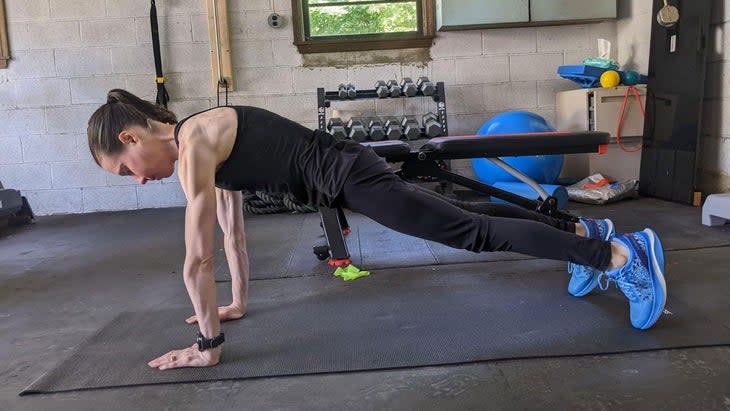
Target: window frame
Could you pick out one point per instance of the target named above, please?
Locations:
(422, 39)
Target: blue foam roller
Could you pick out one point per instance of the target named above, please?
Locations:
(559, 192)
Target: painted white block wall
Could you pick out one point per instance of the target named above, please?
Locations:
(714, 158)
(67, 55)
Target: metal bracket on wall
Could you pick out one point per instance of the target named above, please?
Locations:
(220, 45)
(4, 49)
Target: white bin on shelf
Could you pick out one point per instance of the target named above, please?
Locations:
(599, 109)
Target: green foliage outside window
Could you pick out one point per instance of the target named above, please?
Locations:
(342, 19)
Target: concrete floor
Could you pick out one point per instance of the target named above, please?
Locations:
(66, 276)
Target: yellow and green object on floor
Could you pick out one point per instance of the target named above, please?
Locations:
(350, 272)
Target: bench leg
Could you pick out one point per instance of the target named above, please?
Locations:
(333, 233)
(343, 221)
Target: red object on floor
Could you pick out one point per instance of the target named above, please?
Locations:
(339, 263)
(346, 231)
(602, 182)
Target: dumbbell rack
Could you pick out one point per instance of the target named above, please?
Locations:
(333, 220)
(325, 98)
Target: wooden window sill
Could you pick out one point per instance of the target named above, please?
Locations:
(329, 46)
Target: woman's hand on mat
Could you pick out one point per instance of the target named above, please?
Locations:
(225, 313)
(187, 357)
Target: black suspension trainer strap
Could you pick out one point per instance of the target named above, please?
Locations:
(162, 96)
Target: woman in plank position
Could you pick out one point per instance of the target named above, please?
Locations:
(224, 150)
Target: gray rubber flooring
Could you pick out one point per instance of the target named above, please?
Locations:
(65, 278)
(373, 246)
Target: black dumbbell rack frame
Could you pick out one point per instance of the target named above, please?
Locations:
(333, 220)
(325, 98)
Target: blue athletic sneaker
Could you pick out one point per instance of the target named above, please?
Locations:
(641, 279)
(584, 278)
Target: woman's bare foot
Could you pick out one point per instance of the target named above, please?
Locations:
(225, 313)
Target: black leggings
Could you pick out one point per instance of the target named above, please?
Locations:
(372, 189)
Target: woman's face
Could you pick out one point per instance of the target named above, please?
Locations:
(144, 157)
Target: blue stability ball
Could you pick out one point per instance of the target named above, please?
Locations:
(543, 169)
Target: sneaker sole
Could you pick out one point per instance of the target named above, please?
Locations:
(657, 277)
(594, 281)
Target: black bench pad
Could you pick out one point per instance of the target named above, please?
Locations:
(498, 145)
(393, 150)
(515, 144)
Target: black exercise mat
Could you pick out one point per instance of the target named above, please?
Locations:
(280, 246)
(401, 318)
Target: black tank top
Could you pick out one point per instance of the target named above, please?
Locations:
(277, 155)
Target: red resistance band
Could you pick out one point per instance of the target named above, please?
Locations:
(621, 118)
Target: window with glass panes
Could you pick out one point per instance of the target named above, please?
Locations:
(342, 25)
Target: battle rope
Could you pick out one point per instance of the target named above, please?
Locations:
(260, 202)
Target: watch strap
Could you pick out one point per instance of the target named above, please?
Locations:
(208, 343)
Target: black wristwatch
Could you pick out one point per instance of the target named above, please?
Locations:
(204, 343)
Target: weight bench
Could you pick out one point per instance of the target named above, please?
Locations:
(427, 162)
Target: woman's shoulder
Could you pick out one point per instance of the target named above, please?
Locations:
(207, 118)
(208, 126)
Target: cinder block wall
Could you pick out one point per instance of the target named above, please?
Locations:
(68, 54)
(714, 159)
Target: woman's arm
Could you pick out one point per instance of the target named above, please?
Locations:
(197, 177)
(230, 219)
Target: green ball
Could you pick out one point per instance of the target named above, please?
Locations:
(630, 78)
